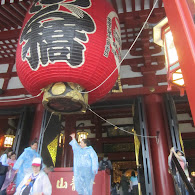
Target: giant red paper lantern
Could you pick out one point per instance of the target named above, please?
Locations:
(67, 46)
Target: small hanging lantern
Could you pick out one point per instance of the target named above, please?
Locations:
(9, 138)
(163, 37)
(8, 141)
(81, 133)
(61, 140)
(193, 173)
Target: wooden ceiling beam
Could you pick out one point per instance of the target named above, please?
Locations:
(19, 9)
(142, 4)
(6, 22)
(8, 75)
(13, 12)
(132, 81)
(110, 140)
(159, 3)
(121, 112)
(145, 47)
(142, 15)
(134, 61)
(124, 6)
(186, 121)
(3, 25)
(151, 4)
(7, 60)
(11, 19)
(139, 44)
(14, 92)
(114, 5)
(133, 92)
(10, 103)
(127, 93)
(188, 136)
(11, 34)
(139, 80)
(26, 4)
(183, 108)
(115, 112)
(133, 5)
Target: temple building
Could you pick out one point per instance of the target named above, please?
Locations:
(116, 81)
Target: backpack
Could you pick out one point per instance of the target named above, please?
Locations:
(104, 164)
(11, 189)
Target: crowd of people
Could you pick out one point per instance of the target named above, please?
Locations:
(29, 173)
(127, 186)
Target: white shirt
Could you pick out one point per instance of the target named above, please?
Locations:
(41, 184)
(3, 160)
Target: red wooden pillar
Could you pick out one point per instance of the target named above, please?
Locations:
(70, 127)
(156, 117)
(98, 129)
(37, 122)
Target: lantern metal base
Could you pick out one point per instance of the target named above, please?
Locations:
(65, 98)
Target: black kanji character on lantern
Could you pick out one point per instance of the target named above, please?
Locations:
(53, 35)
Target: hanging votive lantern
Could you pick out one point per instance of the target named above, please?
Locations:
(81, 133)
(61, 139)
(163, 37)
(8, 141)
(68, 48)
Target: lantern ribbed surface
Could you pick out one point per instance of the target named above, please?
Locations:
(69, 41)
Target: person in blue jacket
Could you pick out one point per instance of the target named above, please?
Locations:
(24, 162)
(85, 165)
(134, 183)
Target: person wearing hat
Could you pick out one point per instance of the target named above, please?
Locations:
(23, 164)
(182, 161)
(180, 157)
(36, 183)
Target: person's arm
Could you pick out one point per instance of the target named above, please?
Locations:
(22, 183)
(170, 158)
(130, 184)
(47, 188)
(183, 159)
(94, 160)
(74, 143)
(19, 161)
(176, 155)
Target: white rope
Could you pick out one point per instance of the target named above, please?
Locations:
(27, 98)
(48, 121)
(156, 137)
(126, 52)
